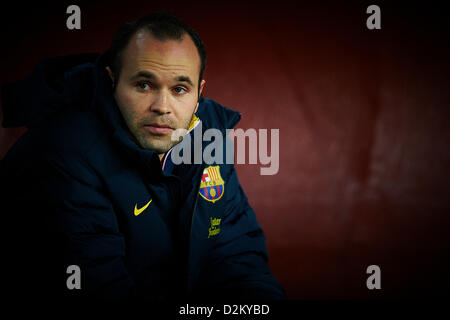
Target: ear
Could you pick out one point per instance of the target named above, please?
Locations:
(202, 84)
(111, 74)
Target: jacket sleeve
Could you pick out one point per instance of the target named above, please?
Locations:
(237, 264)
(66, 219)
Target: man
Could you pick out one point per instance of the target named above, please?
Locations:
(91, 184)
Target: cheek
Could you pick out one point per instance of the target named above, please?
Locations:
(186, 110)
(129, 103)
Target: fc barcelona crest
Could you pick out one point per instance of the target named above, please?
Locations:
(212, 186)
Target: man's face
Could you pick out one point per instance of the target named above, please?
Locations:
(157, 91)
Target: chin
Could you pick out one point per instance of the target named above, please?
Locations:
(161, 147)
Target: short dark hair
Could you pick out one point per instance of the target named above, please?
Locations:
(163, 26)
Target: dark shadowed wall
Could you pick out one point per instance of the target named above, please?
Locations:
(364, 120)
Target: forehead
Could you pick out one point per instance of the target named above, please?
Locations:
(145, 52)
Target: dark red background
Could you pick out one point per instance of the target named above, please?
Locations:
(364, 122)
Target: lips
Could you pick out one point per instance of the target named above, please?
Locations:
(158, 128)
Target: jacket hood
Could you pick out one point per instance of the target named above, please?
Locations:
(52, 85)
(79, 81)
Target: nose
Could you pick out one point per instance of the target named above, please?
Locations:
(160, 103)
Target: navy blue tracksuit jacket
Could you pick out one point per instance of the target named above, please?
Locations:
(77, 191)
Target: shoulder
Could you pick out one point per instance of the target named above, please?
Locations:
(70, 134)
(215, 115)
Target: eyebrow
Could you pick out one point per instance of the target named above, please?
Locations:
(151, 76)
(184, 79)
(144, 74)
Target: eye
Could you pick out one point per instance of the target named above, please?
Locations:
(143, 85)
(180, 90)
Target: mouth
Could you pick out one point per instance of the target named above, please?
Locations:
(159, 129)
